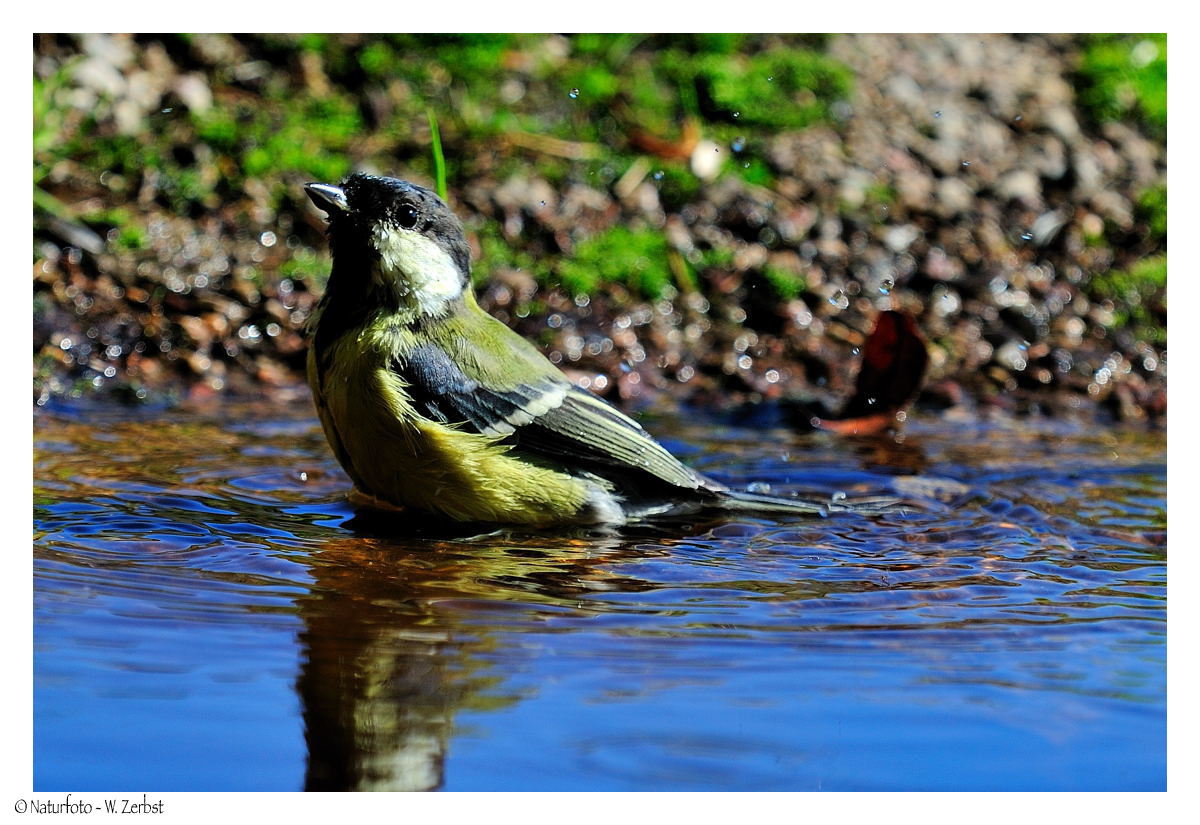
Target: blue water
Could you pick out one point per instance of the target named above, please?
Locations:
(210, 615)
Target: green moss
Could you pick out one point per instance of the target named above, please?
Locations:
(754, 170)
(311, 139)
(719, 257)
(1136, 292)
(1152, 208)
(122, 154)
(218, 127)
(676, 185)
(48, 113)
(496, 253)
(467, 57)
(787, 284)
(596, 84)
(306, 267)
(130, 232)
(636, 258)
(778, 89)
(378, 59)
(1124, 77)
(715, 42)
(651, 97)
(1140, 281)
(131, 237)
(880, 194)
(314, 42)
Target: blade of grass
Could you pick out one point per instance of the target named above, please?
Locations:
(439, 160)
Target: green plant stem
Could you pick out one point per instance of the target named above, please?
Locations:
(439, 160)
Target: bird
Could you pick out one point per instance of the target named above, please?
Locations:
(435, 408)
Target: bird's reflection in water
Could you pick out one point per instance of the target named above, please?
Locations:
(889, 452)
(391, 652)
(376, 696)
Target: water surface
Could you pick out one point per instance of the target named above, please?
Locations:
(210, 614)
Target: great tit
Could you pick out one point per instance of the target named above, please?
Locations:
(432, 405)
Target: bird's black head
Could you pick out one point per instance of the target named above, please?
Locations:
(403, 235)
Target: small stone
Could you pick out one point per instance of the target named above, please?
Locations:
(1022, 185)
(193, 90)
(953, 196)
(899, 238)
(706, 160)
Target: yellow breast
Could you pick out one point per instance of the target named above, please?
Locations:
(395, 455)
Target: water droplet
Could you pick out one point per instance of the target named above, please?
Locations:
(574, 93)
(770, 79)
(1027, 236)
(543, 203)
(739, 143)
(737, 114)
(303, 476)
(1017, 119)
(938, 113)
(658, 175)
(870, 401)
(885, 286)
(839, 300)
(838, 495)
(854, 351)
(746, 165)
(966, 163)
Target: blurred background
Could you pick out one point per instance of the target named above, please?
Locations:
(672, 218)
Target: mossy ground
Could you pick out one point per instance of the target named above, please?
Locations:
(344, 102)
(1123, 77)
(754, 182)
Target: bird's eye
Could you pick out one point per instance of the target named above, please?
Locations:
(407, 217)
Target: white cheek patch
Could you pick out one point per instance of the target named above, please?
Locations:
(416, 269)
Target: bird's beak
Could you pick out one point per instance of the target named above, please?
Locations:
(328, 198)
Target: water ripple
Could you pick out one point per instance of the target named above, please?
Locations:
(203, 574)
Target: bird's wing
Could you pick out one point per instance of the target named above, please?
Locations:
(540, 412)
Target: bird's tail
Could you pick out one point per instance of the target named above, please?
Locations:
(741, 502)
